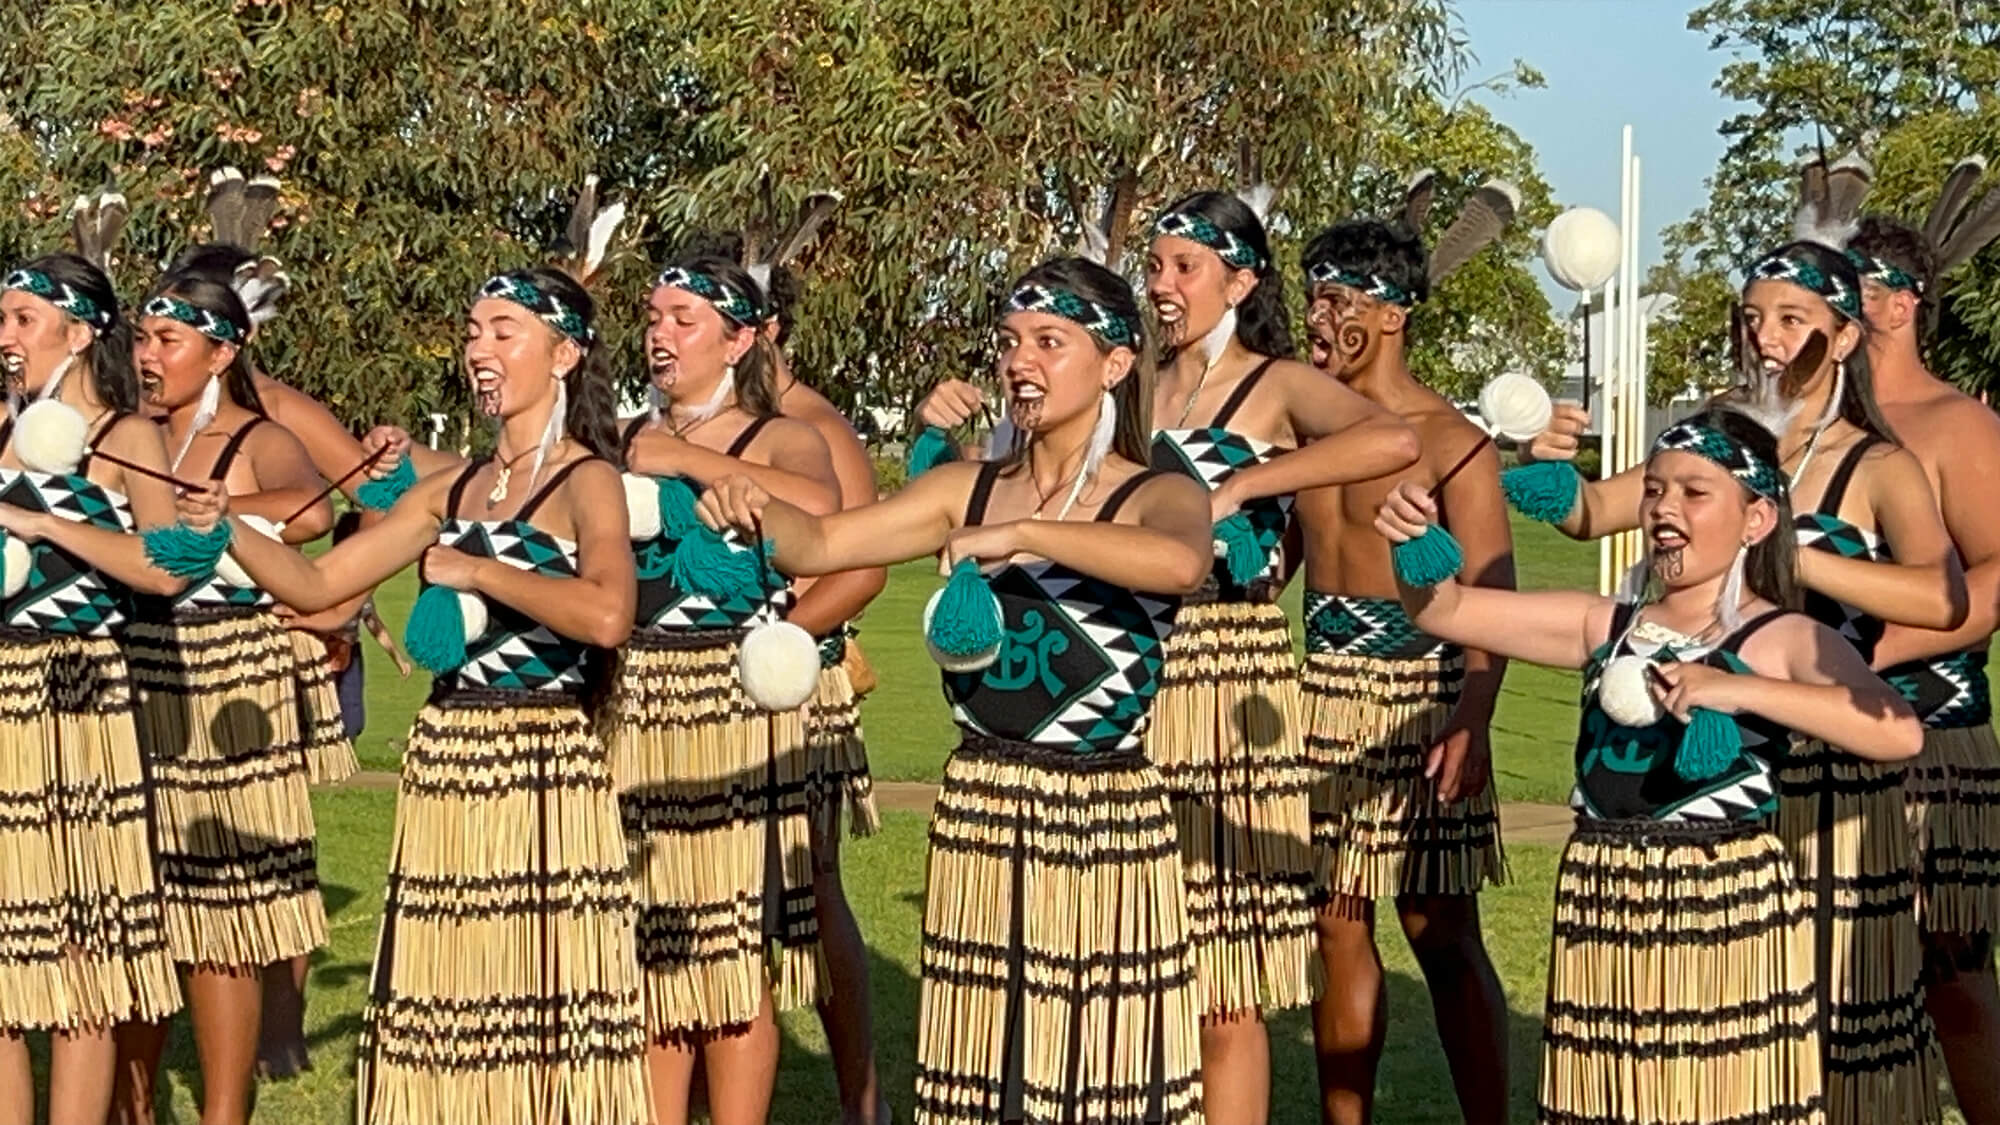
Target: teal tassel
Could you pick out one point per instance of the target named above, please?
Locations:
(931, 448)
(435, 634)
(704, 565)
(1428, 559)
(1544, 491)
(1242, 554)
(184, 552)
(677, 518)
(1710, 744)
(967, 620)
(381, 495)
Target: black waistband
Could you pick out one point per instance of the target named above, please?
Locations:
(454, 697)
(1641, 830)
(684, 640)
(989, 748)
(1261, 591)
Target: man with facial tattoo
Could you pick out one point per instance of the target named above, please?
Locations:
(1398, 720)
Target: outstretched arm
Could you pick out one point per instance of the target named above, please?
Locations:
(912, 524)
(118, 554)
(1342, 436)
(836, 599)
(800, 471)
(1167, 548)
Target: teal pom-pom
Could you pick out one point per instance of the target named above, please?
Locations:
(184, 552)
(435, 635)
(677, 518)
(1544, 491)
(1242, 554)
(1709, 745)
(381, 495)
(1428, 559)
(704, 565)
(967, 620)
(931, 448)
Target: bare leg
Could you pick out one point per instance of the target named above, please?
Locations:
(846, 1013)
(1966, 1009)
(81, 1065)
(17, 1080)
(140, 1046)
(670, 1068)
(226, 1004)
(1351, 1019)
(742, 1066)
(1466, 997)
(1236, 1068)
(281, 1048)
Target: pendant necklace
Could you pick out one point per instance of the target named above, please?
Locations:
(503, 478)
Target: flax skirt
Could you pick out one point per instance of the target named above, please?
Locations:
(218, 720)
(329, 755)
(837, 777)
(1058, 983)
(1226, 737)
(712, 790)
(1843, 821)
(506, 984)
(1953, 800)
(82, 938)
(1378, 824)
(1681, 984)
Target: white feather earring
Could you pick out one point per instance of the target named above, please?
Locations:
(1218, 337)
(54, 384)
(553, 432)
(655, 402)
(1728, 606)
(1093, 454)
(204, 413)
(716, 398)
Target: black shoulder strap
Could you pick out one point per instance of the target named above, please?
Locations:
(748, 435)
(1836, 489)
(982, 491)
(632, 431)
(1124, 492)
(1621, 620)
(549, 487)
(1734, 642)
(458, 487)
(97, 440)
(6, 433)
(1240, 395)
(228, 455)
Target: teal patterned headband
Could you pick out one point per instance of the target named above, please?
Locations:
(735, 307)
(221, 329)
(1843, 298)
(547, 306)
(1096, 319)
(1756, 474)
(1196, 228)
(1382, 289)
(1883, 273)
(69, 299)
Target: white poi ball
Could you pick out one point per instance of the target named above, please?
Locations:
(949, 662)
(1581, 249)
(473, 609)
(50, 436)
(17, 562)
(1625, 695)
(778, 664)
(642, 506)
(228, 569)
(1516, 406)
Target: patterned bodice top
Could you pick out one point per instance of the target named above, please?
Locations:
(1627, 773)
(663, 606)
(1352, 625)
(65, 594)
(1823, 530)
(516, 653)
(1212, 454)
(212, 592)
(1081, 660)
(1946, 691)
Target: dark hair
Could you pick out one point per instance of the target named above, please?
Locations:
(1133, 437)
(220, 300)
(1261, 320)
(214, 261)
(1390, 251)
(109, 355)
(1857, 401)
(1898, 244)
(1770, 569)
(592, 416)
(757, 371)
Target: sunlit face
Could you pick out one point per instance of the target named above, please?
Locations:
(35, 338)
(1696, 516)
(1345, 328)
(175, 362)
(1052, 369)
(1191, 287)
(689, 344)
(512, 356)
(1781, 318)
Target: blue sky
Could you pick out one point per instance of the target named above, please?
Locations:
(1609, 63)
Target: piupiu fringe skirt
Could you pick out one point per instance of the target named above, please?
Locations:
(1843, 821)
(1378, 823)
(218, 722)
(1953, 800)
(1227, 737)
(1058, 981)
(329, 755)
(506, 983)
(82, 936)
(837, 778)
(712, 790)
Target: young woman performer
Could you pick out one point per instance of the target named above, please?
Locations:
(506, 986)
(1057, 979)
(1872, 549)
(1681, 978)
(713, 787)
(82, 940)
(219, 707)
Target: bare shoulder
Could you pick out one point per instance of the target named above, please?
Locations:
(1445, 431)
(793, 432)
(814, 409)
